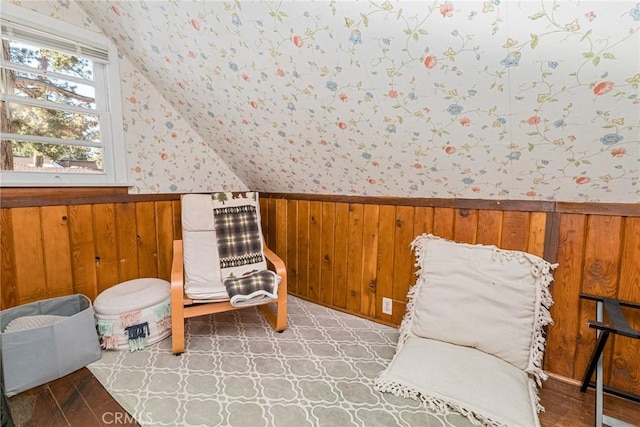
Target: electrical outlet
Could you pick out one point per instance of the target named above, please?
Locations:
(387, 305)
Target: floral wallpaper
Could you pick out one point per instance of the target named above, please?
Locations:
(496, 99)
(164, 153)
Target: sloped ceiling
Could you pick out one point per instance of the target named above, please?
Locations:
(491, 100)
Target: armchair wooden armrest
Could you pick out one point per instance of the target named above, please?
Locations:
(177, 299)
(278, 320)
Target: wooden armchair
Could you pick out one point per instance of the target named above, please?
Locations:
(223, 264)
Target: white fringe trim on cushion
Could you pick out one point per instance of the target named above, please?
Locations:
(541, 273)
(407, 320)
(534, 392)
(434, 404)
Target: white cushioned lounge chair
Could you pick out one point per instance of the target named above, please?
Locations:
(472, 339)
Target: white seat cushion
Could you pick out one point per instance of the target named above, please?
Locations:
(201, 266)
(453, 378)
(206, 292)
(202, 274)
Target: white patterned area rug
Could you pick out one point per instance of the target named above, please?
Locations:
(237, 371)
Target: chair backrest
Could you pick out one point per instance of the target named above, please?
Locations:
(483, 297)
(222, 237)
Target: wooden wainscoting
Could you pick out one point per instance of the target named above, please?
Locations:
(350, 255)
(350, 252)
(597, 254)
(61, 248)
(343, 252)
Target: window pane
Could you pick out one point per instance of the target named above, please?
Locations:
(61, 91)
(47, 122)
(36, 157)
(49, 60)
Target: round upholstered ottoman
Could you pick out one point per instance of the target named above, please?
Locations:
(133, 314)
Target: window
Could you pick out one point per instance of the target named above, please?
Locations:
(60, 104)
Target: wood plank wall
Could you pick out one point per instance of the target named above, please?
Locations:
(343, 252)
(597, 254)
(348, 253)
(351, 255)
(51, 249)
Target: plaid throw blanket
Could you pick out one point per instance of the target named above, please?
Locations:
(253, 289)
(242, 263)
(238, 235)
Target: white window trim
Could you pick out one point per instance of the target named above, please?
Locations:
(114, 154)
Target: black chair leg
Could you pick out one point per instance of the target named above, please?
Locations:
(593, 362)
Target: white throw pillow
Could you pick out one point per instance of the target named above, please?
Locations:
(483, 297)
